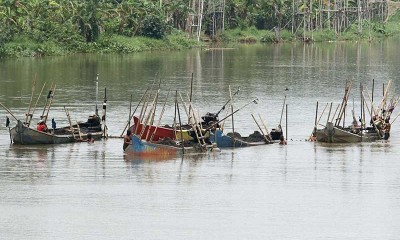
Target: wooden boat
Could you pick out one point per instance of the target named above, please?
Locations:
(162, 132)
(336, 134)
(144, 148)
(224, 141)
(235, 140)
(22, 134)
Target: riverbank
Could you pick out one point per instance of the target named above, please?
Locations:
(366, 31)
(24, 46)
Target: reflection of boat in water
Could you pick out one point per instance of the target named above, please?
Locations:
(22, 134)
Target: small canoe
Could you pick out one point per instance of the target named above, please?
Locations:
(24, 135)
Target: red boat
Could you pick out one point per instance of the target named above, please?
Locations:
(162, 132)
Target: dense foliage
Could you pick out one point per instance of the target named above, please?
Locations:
(36, 27)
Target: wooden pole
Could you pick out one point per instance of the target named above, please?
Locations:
(283, 108)
(265, 127)
(47, 100)
(191, 94)
(230, 98)
(30, 103)
(130, 112)
(104, 117)
(334, 114)
(373, 87)
(329, 114)
(237, 110)
(51, 101)
(373, 123)
(8, 110)
(180, 122)
(286, 118)
(70, 123)
(148, 117)
(159, 119)
(262, 132)
(316, 115)
(194, 127)
(34, 108)
(152, 114)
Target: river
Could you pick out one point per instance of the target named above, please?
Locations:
(304, 190)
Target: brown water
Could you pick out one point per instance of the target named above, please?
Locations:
(300, 191)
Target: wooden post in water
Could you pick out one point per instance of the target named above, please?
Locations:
(180, 122)
(373, 88)
(103, 118)
(286, 122)
(316, 117)
(190, 98)
(230, 98)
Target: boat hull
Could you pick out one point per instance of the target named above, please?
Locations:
(224, 141)
(332, 134)
(145, 149)
(24, 135)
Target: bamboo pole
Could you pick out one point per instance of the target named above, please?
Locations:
(286, 118)
(30, 103)
(37, 100)
(180, 122)
(265, 127)
(148, 117)
(329, 114)
(51, 101)
(191, 94)
(104, 117)
(70, 123)
(9, 111)
(47, 100)
(262, 132)
(316, 115)
(192, 124)
(197, 124)
(334, 114)
(230, 98)
(373, 123)
(237, 110)
(159, 119)
(152, 115)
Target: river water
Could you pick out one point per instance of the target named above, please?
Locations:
(300, 191)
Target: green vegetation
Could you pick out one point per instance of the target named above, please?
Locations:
(57, 27)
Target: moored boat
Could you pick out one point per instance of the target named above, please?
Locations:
(236, 140)
(164, 147)
(337, 132)
(22, 134)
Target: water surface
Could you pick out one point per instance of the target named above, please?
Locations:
(300, 191)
